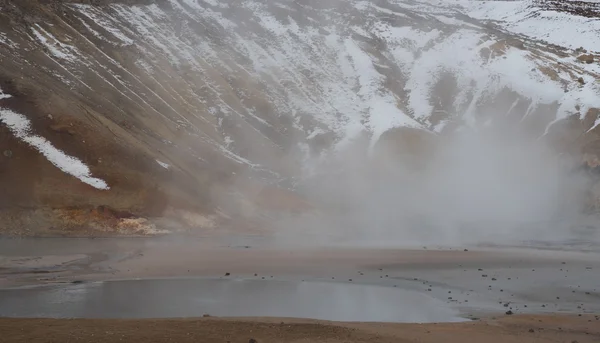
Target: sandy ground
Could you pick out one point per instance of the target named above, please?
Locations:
(554, 295)
(507, 329)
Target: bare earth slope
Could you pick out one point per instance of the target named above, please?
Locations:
(505, 330)
(137, 117)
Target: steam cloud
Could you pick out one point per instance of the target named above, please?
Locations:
(473, 186)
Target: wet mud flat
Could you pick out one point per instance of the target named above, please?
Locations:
(151, 279)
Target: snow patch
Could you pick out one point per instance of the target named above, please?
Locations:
(163, 164)
(57, 48)
(4, 96)
(20, 126)
(523, 17)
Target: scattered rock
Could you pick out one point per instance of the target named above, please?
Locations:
(493, 279)
(252, 340)
(531, 330)
(466, 250)
(76, 282)
(586, 58)
(484, 275)
(206, 315)
(227, 274)
(509, 312)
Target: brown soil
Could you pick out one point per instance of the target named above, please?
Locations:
(506, 329)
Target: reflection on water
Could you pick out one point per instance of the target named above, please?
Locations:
(237, 298)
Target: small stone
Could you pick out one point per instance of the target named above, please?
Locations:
(509, 312)
(493, 279)
(252, 340)
(206, 315)
(531, 330)
(7, 153)
(466, 250)
(227, 274)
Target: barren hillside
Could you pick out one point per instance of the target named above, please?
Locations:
(148, 116)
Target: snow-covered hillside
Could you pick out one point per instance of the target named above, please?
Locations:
(201, 92)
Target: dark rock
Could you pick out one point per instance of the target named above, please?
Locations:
(531, 330)
(252, 340)
(509, 312)
(227, 274)
(586, 58)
